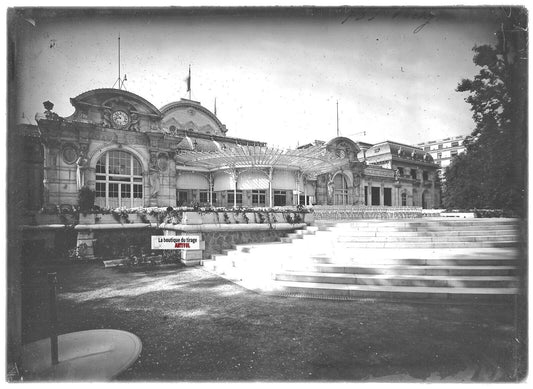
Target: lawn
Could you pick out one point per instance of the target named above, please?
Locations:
(195, 326)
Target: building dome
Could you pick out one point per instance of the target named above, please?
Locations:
(191, 116)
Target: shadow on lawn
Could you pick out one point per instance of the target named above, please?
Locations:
(138, 284)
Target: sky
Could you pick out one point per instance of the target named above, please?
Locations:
(276, 76)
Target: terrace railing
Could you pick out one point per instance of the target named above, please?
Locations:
(352, 212)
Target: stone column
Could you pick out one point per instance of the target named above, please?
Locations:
(270, 193)
(305, 189)
(210, 189)
(90, 177)
(172, 180)
(330, 189)
(146, 189)
(369, 193)
(154, 180)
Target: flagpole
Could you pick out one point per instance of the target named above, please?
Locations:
(337, 118)
(119, 61)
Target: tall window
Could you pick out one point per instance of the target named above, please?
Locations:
(280, 198)
(119, 181)
(258, 198)
(231, 198)
(182, 197)
(404, 199)
(387, 196)
(341, 190)
(376, 193)
(204, 196)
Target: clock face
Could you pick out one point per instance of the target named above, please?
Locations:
(120, 118)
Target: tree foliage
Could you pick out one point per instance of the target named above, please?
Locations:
(491, 174)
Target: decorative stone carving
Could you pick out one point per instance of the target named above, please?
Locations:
(46, 191)
(70, 155)
(331, 187)
(81, 165)
(162, 162)
(107, 122)
(48, 106)
(134, 125)
(154, 176)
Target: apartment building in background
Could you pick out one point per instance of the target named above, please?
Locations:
(444, 150)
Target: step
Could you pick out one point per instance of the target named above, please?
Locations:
(421, 229)
(429, 270)
(401, 280)
(422, 221)
(403, 245)
(295, 236)
(382, 291)
(484, 244)
(378, 233)
(247, 247)
(305, 232)
(411, 256)
(419, 252)
(415, 239)
(369, 261)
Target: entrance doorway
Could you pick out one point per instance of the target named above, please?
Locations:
(426, 200)
(387, 196)
(340, 190)
(376, 192)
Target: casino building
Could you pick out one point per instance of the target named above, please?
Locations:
(132, 154)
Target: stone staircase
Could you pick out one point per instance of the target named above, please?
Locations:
(476, 258)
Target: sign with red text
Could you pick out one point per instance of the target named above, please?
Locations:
(176, 242)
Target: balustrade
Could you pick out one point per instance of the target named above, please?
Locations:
(350, 212)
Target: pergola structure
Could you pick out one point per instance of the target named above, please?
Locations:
(307, 163)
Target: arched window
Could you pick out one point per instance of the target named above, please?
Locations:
(119, 180)
(341, 190)
(404, 199)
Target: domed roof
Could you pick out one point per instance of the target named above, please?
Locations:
(190, 115)
(108, 96)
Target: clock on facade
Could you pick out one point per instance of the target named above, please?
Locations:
(120, 118)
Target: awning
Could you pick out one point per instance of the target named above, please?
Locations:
(311, 161)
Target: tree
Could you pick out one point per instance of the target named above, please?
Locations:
(491, 174)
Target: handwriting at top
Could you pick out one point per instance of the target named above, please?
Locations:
(357, 15)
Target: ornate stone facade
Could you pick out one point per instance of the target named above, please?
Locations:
(133, 154)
